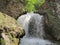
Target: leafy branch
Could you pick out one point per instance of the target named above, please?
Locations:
(30, 4)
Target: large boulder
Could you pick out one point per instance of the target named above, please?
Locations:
(53, 26)
(10, 30)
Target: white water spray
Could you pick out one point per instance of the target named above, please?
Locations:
(34, 29)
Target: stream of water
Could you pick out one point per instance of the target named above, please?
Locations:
(33, 25)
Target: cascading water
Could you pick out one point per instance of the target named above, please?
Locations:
(34, 29)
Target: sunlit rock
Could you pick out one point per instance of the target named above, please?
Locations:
(10, 31)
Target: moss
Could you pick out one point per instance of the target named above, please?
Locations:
(10, 29)
(2, 41)
(7, 21)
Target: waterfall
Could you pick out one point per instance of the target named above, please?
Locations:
(33, 25)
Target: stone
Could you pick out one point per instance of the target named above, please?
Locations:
(10, 30)
(12, 8)
(53, 26)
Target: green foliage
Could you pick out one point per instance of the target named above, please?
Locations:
(2, 41)
(30, 4)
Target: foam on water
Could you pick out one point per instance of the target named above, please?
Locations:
(34, 41)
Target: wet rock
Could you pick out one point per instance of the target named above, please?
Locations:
(53, 26)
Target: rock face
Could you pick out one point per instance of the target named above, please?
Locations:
(58, 8)
(53, 20)
(11, 7)
(10, 31)
(53, 26)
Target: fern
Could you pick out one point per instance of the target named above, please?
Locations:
(30, 4)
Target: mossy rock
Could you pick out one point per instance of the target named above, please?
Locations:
(2, 41)
(53, 26)
(10, 30)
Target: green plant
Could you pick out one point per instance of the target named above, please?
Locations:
(30, 4)
(2, 41)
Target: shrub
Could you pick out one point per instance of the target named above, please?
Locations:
(30, 4)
